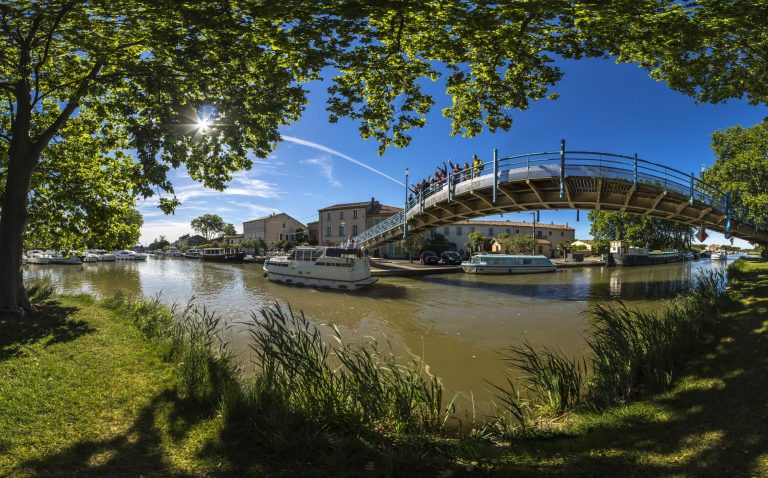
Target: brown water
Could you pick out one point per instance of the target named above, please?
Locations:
(456, 322)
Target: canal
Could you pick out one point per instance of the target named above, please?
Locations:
(456, 322)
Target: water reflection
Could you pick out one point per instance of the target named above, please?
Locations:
(457, 322)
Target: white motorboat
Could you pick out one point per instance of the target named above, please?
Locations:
(719, 256)
(90, 257)
(38, 257)
(128, 255)
(507, 264)
(103, 255)
(57, 258)
(329, 267)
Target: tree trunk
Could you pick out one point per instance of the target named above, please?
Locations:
(23, 159)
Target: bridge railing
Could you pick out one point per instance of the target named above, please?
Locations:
(576, 163)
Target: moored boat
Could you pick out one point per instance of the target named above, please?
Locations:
(623, 255)
(327, 267)
(57, 258)
(38, 257)
(719, 256)
(103, 255)
(90, 257)
(193, 254)
(218, 254)
(128, 255)
(507, 264)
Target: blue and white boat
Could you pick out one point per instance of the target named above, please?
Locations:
(507, 264)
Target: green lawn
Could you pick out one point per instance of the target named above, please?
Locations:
(83, 393)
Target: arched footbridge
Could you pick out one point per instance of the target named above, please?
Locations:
(569, 180)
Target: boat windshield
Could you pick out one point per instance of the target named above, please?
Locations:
(339, 252)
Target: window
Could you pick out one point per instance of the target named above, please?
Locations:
(509, 231)
(472, 229)
(328, 232)
(283, 225)
(562, 234)
(517, 231)
(341, 214)
(446, 231)
(341, 231)
(458, 231)
(328, 216)
(354, 229)
(539, 233)
(550, 233)
(490, 232)
(354, 214)
(281, 237)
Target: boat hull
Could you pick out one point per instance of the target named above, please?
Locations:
(646, 260)
(320, 283)
(227, 257)
(480, 269)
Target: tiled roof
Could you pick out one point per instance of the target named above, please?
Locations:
(347, 205)
(539, 225)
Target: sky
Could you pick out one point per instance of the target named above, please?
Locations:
(602, 106)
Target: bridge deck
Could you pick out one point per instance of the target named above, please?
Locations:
(589, 181)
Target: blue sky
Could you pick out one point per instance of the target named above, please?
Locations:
(602, 107)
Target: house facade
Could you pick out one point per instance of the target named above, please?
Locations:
(458, 233)
(272, 229)
(339, 222)
(189, 241)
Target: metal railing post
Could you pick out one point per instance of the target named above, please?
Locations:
(635, 178)
(562, 168)
(495, 172)
(691, 189)
(728, 215)
(449, 183)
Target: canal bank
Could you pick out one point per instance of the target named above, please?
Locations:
(711, 423)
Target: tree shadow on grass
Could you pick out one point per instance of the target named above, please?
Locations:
(52, 322)
(136, 452)
(715, 425)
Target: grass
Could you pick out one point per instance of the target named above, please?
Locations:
(122, 389)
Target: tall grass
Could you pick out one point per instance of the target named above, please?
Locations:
(38, 290)
(629, 352)
(337, 385)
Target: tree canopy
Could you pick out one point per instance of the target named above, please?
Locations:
(641, 231)
(518, 244)
(741, 168)
(209, 225)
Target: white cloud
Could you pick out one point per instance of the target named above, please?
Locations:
(255, 209)
(171, 229)
(243, 186)
(325, 164)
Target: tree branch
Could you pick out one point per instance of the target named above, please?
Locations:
(46, 50)
(44, 137)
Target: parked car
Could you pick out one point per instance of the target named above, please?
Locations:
(428, 257)
(450, 258)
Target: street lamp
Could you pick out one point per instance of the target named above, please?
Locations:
(405, 210)
(534, 214)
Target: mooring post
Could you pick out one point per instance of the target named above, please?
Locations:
(635, 177)
(495, 173)
(728, 215)
(562, 168)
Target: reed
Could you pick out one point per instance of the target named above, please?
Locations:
(39, 290)
(629, 352)
(337, 385)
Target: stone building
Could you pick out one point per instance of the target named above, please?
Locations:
(339, 222)
(272, 229)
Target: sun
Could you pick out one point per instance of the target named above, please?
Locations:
(203, 124)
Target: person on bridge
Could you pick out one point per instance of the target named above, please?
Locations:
(477, 165)
(467, 171)
(456, 172)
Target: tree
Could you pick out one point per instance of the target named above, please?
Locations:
(299, 236)
(741, 168)
(475, 241)
(638, 230)
(439, 244)
(229, 230)
(413, 244)
(202, 84)
(519, 244)
(208, 225)
(159, 243)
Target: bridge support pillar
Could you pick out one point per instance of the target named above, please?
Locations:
(495, 173)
